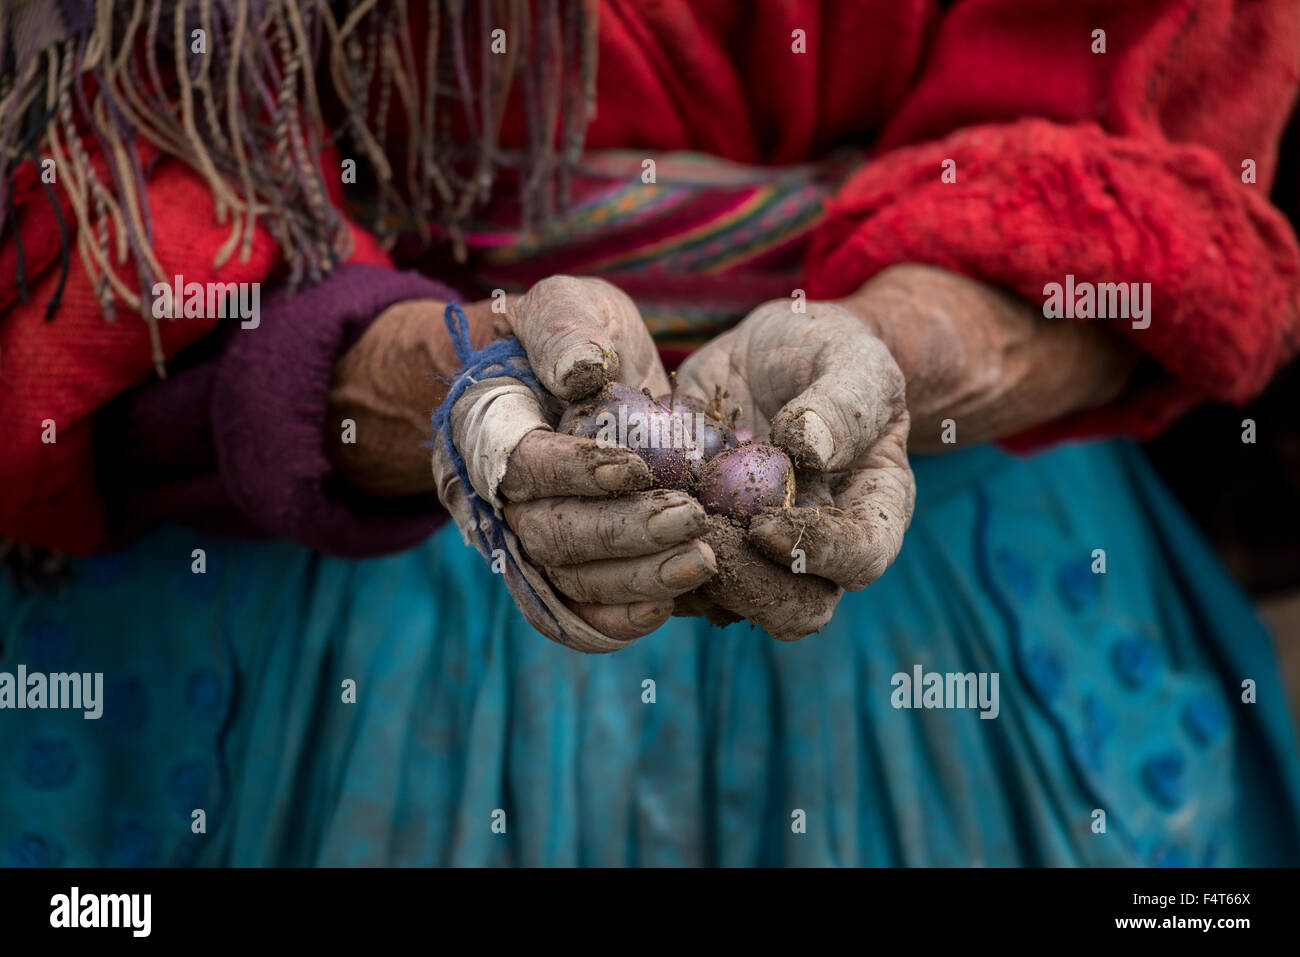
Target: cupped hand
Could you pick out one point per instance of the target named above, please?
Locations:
(618, 553)
(829, 393)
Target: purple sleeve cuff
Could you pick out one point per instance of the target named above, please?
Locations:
(234, 440)
(268, 414)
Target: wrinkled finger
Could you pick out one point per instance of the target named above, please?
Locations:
(571, 530)
(853, 542)
(489, 421)
(721, 363)
(546, 464)
(836, 384)
(857, 392)
(647, 578)
(579, 334)
(624, 622)
(450, 491)
(785, 605)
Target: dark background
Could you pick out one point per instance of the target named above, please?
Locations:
(1247, 497)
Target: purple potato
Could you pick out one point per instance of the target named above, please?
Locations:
(739, 482)
(708, 435)
(712, 438)
(745, 435)
(669, 468)
(577, 421)
(661, 441)
(681, 403)
(581, 418)
(619, 416)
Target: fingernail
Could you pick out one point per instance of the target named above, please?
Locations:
(582, 358)
(628, 476)
(643, 614)
(819, 444)
(685, 570)
(771, 532)
(674, 524)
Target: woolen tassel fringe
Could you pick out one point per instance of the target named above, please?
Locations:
(246, 115)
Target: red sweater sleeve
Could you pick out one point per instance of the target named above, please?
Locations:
(1131, 173)
(55, 376)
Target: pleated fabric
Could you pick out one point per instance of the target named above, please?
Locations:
(1139, 715)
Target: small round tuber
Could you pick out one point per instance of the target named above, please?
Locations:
(739, 482)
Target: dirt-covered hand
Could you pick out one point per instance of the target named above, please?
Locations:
(619, 555)
(829, 393)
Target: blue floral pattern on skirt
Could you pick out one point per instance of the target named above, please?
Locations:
(1119, 693)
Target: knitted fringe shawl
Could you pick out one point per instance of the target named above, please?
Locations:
(245, 113)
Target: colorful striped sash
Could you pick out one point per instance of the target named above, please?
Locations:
(697, 249)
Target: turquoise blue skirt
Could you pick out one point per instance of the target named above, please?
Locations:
(1140, 718)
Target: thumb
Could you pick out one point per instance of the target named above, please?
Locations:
(853, 391)
(567, 325)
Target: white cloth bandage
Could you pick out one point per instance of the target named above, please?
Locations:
(487, 423)
(486, 442)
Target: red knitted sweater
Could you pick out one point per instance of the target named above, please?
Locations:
(1116, 166)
